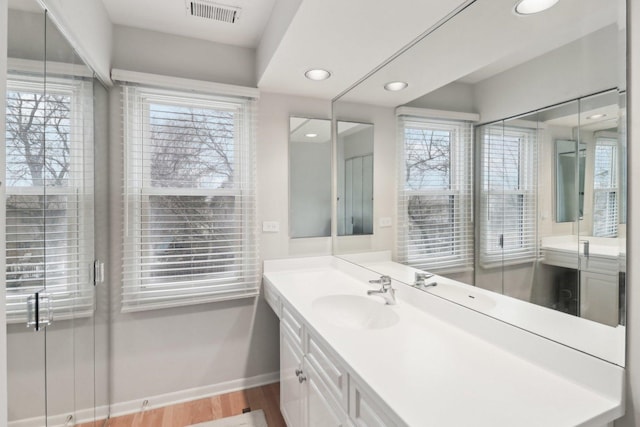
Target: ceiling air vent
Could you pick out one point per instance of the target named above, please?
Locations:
(214, 11)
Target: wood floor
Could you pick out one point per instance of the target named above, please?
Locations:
(266, 398)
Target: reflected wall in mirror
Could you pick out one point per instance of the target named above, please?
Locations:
(309, 177)
(569, 168)
(355, 178)
(562, 250)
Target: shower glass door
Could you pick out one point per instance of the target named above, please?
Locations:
(49, 225)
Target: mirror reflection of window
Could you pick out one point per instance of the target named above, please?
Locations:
(508, 194)
(435, 195)
(605, 188)
(355, 178)
(309, 177)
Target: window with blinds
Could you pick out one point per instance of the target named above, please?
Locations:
(189, 194)
(435, 231)
(49, 194)
(508, 188)
(605, 188)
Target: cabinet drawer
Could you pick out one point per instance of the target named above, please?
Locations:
(292, 323)
(334, 375)
(272, 298)
(596, 264)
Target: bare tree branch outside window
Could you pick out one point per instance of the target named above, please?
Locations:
(428, 167)
(190, 235)
(37, 157)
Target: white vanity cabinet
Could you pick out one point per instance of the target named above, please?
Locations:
(315, 389)
(291, 390)
(599, 278)
(599, 297)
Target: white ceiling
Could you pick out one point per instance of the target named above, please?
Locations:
(170, 16)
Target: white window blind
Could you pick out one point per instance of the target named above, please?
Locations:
(49, 193)
(189, 194)
(508, 188)
(435, 230)
(605, 188)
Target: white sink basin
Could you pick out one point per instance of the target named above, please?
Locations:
(355, 311)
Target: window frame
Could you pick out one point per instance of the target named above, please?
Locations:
(138, 296)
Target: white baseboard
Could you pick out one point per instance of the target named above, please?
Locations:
(82, 416)
(133, 406)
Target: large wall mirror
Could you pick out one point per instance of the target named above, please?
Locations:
(309, 177)
(511, 162)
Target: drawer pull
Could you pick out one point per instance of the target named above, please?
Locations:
(302, 379)
(298, 372)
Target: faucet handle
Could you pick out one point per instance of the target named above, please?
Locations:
(384, 280)
(420, 277)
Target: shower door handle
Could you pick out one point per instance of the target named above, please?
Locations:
(39, 311)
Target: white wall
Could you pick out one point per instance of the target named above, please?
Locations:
(160, 53)
(3, 329)
(452, 97)
(274, 111)
(87, 25)
(632, 416)
(281, 16)
(531, 86)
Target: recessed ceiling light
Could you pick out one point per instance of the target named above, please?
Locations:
(311, 135)
(396, 86)
(317, 74)
(596, 116)
(529, 7)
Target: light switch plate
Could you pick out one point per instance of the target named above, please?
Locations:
(385, 222)
(270, 227)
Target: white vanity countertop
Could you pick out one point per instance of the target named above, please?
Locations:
(606, 247)
(600, 340)
(433, 373)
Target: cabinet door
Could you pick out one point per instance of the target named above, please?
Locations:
(291, 390)
(366, 411)
(599, 297)
(322, 410)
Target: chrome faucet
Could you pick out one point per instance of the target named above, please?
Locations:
(385, 291)
(421, 277)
